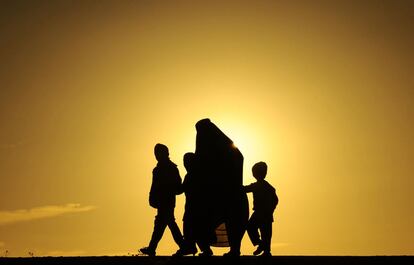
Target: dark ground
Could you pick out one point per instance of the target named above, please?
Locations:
(216, 260)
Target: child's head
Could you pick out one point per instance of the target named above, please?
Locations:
(189, 161)
(161, 152)
(259, 170)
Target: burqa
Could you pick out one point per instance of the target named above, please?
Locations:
(220, 173)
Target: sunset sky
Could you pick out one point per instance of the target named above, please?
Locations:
(322, 91)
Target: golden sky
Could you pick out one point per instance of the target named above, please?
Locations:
(323, 91)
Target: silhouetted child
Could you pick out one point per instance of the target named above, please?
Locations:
(193, 214)
(265, 201)
(166, 184)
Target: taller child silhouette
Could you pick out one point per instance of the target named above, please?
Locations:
(166, 184)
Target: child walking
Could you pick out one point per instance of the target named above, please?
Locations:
(265, 201)
(166, 184)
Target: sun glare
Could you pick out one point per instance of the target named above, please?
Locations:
(242, 137)
(247, 140)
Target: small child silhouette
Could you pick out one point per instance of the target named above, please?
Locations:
(265, 201)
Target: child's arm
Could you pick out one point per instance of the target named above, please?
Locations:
(249, 188)
(153, 194)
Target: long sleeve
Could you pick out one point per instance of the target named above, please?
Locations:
(249, 188)
(153, 196)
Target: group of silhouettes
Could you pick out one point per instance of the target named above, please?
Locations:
(167, 184)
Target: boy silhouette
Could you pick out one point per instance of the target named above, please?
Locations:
(193, 214)
(166, 184)
(265, 201)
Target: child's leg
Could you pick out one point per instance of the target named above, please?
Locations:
(253, 230)
(266, 233)
(189, 234)
(160, 224)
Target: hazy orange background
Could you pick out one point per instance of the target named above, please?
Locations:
(323, 91)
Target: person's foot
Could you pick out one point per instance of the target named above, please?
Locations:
(258, 250)
(206, 253)
(147, 251)
(185, 251)
(232, 254)
(266, 254)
